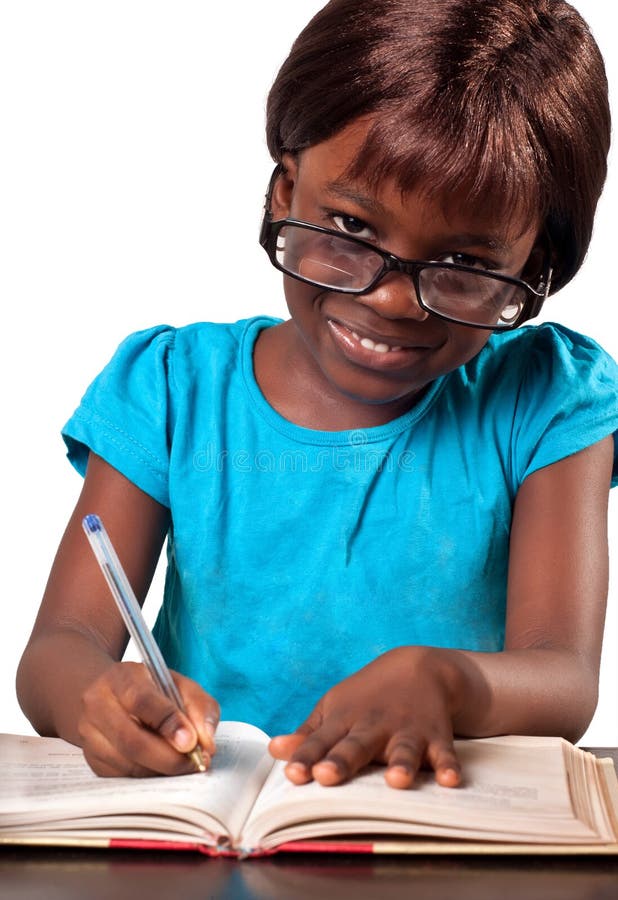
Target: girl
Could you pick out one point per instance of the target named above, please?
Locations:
(386, 516)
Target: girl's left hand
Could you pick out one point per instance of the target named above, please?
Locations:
(397, 710)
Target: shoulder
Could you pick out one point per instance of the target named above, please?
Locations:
(220, 342)
(541, 365)
(553, 391)
(545, 352)
(540, 393)
(128, 413)
(166, 347)
(224, 335)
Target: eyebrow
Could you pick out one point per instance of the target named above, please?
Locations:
(347, 192)
(467, 239)
(463, 239)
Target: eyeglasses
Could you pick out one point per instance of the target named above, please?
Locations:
(350, 265)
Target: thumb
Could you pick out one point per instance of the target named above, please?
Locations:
(283, 746)
(178, 729)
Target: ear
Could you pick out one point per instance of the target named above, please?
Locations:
(283, 189)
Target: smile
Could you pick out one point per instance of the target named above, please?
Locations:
(372, 352)
(371, 345)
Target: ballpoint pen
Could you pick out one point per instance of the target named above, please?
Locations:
(133, 619)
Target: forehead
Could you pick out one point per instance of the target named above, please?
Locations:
(332, 167)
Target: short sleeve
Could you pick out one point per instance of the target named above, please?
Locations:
(568, 400)
(124, 415)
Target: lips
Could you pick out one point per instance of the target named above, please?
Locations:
(373, 350)
(379, 347)
(361, 332)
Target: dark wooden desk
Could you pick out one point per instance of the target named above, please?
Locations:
(48, 874)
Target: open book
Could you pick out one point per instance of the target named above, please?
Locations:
(519, 794)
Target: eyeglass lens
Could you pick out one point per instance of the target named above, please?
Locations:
(326, 259)
(469, 296)
(333, 262)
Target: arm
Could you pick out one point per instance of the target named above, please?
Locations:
(405, 706)
(546, 680)
(69, 681)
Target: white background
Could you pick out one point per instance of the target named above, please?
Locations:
(132, 172)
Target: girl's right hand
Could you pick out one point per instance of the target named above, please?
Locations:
(128, 727)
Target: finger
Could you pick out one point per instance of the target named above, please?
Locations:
(284, 745)
(105, 759)
(202, 710)
(304, 747)
(404, 756)
(125, 747)
(354, 751)
(144, 701)
(311, 746)
(126, 707)
(443, 760)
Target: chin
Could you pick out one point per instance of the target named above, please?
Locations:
(376, 395)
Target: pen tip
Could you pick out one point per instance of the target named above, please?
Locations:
(197, 758)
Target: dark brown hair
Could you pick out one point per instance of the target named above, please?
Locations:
(505, 100)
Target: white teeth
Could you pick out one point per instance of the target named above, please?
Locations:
(371, 345)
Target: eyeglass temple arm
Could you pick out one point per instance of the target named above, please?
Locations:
(542, 292)
(267, 217)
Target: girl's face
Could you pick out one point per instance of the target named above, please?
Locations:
(334, 332)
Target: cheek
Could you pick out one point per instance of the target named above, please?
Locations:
(467, 342)
(301, 298)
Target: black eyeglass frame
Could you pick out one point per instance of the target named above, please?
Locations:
(533, 303)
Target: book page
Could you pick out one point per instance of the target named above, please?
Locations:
(513, 789)
(46, 781)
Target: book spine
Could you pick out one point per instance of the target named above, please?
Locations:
(329, 846)
(136, 844)
(207, 850)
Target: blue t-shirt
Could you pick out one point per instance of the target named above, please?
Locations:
(296, 556)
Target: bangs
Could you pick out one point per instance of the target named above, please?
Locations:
(494, 169)
(498, 105)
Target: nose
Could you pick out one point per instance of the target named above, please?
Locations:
(394, 297)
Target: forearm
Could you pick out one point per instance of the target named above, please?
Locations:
(55, 670)
(527, 691)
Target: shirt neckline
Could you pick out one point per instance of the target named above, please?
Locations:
(304, 435)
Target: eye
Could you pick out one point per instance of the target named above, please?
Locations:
(353, 226)
(465, 259)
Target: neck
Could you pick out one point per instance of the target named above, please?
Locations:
(304, 396)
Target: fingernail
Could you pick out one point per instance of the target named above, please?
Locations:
(450, 777)
(183, 739)
(296, 768)
(211, 726)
